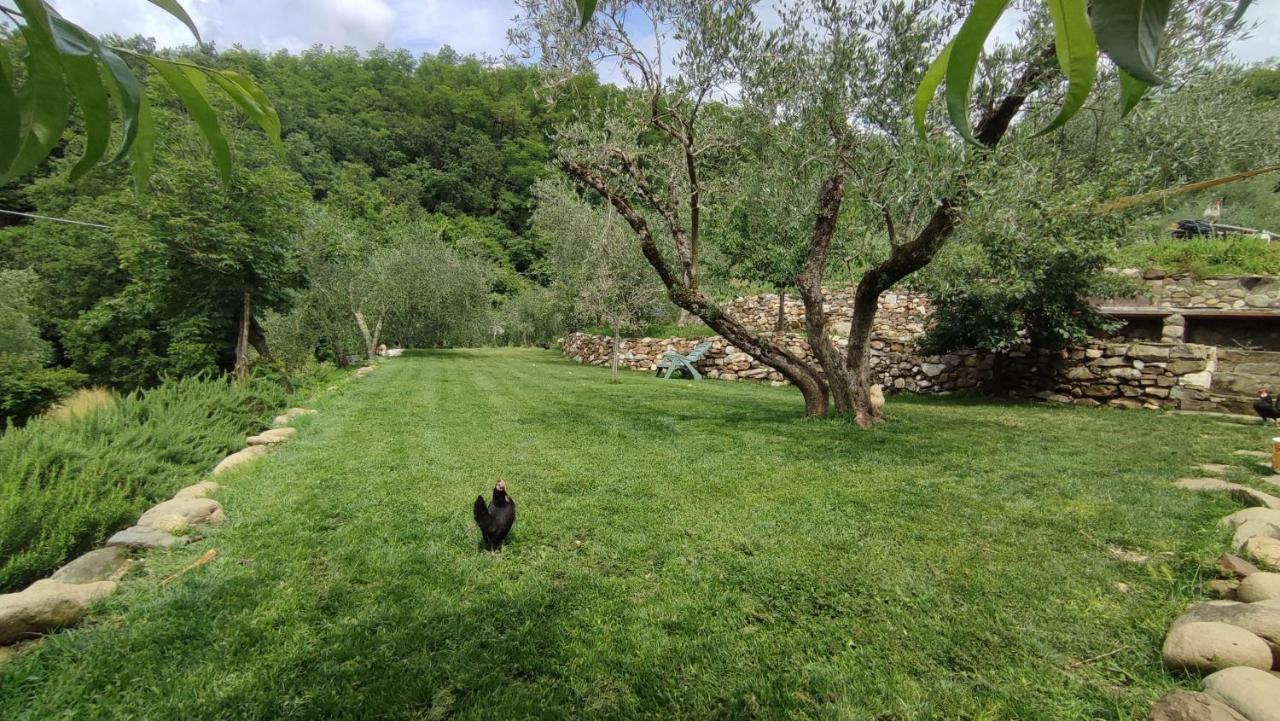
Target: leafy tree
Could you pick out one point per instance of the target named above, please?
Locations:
(27, 388)
(597, 265)
(838, 77)
(160, 290)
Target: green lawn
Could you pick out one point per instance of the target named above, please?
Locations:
(683, 551)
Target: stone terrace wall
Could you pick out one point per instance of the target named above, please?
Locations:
(901, 316)
(1161, 290)
(1123, 375)
(894, 369)
(1127, 374)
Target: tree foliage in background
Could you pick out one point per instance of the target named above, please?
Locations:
(599, 269)
(27, 387)
(159, 290)
(1031, 251)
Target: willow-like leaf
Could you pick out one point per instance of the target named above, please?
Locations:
(176, 10)
(1238, 15)
(143, 148)
(586, 8)
(962, 65)
(188, 84)
(252, 102)
(127, 93)
(928, 88)
(1130, 32)
(1077, 52)
(79, 64)
(10, 119)
(43, 101)
(1131, 91)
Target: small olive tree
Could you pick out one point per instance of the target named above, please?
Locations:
(596, 264)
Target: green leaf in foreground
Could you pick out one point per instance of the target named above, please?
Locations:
(188, 84)
(80, 66)
(43, 101)
(1130, 32)
(966, 49)
(143, 148)
(586, 8)
(928, 87)
(127, 93)
(1236, 17)
(176, 10)
(10, 120)
(1131, 91)
(252, 102)
(1077, 52)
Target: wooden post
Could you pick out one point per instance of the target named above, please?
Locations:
(242, 343)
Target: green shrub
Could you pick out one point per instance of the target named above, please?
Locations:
(67, 484)
(29, 391)
(1203, 256)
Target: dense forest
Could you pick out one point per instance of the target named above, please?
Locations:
(402, 179)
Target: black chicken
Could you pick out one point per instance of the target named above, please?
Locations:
(495, 519)
(1266, 407)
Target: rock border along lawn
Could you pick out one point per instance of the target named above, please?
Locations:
(64, 598)
(1234, 642)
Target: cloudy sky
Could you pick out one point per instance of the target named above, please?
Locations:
(469, 26)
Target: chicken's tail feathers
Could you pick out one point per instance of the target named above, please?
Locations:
(481, 511)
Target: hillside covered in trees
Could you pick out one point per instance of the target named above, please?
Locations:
(390, 162)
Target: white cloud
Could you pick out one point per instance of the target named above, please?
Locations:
(476, 26)
(469, 26)
(1265, 41)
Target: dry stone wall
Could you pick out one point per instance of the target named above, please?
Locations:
(1162, 290)
(1168, 373)
(1122, 375)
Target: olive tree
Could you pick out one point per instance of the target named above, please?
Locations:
(835, 88)
(596, 264)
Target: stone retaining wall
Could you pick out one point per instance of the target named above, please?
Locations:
(1161, 290)
(1123, 375)
(901, 315)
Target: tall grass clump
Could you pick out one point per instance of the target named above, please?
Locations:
(65, 484)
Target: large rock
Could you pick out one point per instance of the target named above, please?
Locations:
(1254, 529)
(272, 437)
(1254, 497)
(102, 564)
(240, 458)
(290, 415)
(198, 490)
(1236, 567)
(1192, 706)
(1254, 694)
(1260, 620)
(1206, 484)
(1264, 550)
(182, 513)
(1266, 515)
(45, 606)
(1260, 586)
(144, 537)
(1208, 646)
